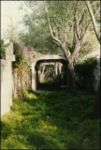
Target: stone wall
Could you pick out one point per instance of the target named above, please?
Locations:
(6, 79)
(21, 81)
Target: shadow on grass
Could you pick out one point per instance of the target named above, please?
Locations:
(51, 121)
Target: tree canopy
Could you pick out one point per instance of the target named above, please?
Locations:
(63, 15)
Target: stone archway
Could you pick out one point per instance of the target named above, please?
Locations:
(44, 59)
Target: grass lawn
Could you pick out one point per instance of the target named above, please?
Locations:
(54, 120)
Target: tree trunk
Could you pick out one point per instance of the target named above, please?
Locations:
(93, 19)
(98, 102)
(71, 77)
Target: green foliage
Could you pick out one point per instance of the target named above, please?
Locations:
(61, 14)
(90, 44)
(37, 34)
(85, 74)
(2, 50)
(20, 62)
(51, 121)
(17, 52)
(23, 63)
(29, 96)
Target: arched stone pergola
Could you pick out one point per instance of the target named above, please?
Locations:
(44, 59)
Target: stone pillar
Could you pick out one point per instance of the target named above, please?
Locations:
(56, 69)
(7, 79)
(34, 78)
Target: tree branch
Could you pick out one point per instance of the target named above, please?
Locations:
(79, 43)
(82, 17)
(51, 30)
(77, 30)
(76, 27)
(93, 20)
(61, 44)
(84, 31)
(87, 26)
(76, 50)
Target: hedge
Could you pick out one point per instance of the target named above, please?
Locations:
(85, 74)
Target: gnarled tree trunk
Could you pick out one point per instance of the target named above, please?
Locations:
(71, 81)
(98, 101)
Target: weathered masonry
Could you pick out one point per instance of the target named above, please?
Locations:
(44, 59)
(6, 79)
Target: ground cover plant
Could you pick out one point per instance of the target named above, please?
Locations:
(55, 120)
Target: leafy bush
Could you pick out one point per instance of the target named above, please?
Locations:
(17, 53)
(20, 62)
(85, 74)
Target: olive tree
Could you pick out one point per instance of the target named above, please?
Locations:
(68, 23)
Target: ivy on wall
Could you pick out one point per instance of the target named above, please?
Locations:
(20, 62)
(2, 50)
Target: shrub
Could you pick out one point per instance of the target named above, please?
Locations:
(20, 62)
(85, 74)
